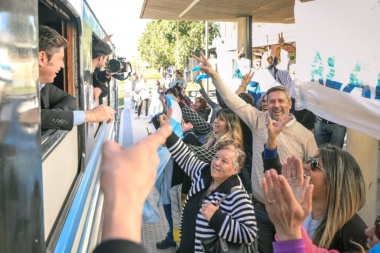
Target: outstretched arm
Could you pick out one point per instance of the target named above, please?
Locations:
(250, 115)
(123, 186)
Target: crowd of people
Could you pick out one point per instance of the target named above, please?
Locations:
(255, 175)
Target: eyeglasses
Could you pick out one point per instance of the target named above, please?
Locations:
(377, 227)
(313, 163)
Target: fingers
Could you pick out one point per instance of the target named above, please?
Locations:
(110, 147)
(298, 168)
(270, 177)
(308, 200)
(158, 138)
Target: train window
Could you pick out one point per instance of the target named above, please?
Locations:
(60, 178)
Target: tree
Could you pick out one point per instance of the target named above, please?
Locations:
(166, 43)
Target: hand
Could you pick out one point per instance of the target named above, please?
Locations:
(126, 181)
(208, 210)
(205, 65)
(240, 53)
(110, 74)
(247, 78)
(282, 207)
(100, 113)
(281, 40)
(96, 92)
(107, 38)
(165, 118)
(275, 128)
(292, 170)
(187, 126)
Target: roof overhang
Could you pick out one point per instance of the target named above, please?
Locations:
(262, 11)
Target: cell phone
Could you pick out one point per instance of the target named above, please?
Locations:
(147, 130)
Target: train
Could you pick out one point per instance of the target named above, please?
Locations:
(49, 180)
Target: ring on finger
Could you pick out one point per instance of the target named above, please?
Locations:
(271, 200)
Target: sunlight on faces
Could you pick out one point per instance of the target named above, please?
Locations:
(222, 166)
(197, 104)
(264, 103)
(220, 125)
(101, 61)
(317, 178)
(50, 68)
(278, 104)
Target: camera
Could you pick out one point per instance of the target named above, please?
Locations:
(119, 65)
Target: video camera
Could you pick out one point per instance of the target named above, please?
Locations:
(119, 66)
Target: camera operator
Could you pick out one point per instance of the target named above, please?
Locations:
(100, 52)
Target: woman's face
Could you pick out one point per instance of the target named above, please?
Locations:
(222, 165)
(371, 236)
(317, 178)
(220, 125)
(264, 103)
(197, 105)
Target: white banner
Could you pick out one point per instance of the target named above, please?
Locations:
(338, 61)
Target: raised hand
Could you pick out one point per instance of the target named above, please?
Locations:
(292, 170)
(281, 40)
(275, 128)
(126, 181)
(205, 65)
(247, 78)
(283, 209)
(165, 118)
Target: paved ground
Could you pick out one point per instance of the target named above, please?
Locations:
(131, 131)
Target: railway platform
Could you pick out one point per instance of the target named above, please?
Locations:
(131, 131)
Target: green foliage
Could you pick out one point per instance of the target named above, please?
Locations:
(166, 43)
(152, 74)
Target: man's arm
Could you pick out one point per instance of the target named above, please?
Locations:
(55, 98)
(250, 115)
(124, 186)
(57, 119)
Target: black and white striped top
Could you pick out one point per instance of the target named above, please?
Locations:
(235, 220)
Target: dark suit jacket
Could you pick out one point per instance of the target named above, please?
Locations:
(56, 108)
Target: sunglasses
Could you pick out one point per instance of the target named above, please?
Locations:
(313, 163)
(377, 227)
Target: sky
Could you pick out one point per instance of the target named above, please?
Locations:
(121, 18)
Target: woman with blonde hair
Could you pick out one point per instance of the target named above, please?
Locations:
(226, 126)
(339, 192)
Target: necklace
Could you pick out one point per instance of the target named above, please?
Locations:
(210, 189)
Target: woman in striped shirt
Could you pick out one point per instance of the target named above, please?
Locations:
(202, 215)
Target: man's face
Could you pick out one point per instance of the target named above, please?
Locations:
(278, 104)
(256, 64)
(50, 68)
(101, 63)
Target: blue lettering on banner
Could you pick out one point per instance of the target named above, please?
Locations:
(317, 69)
(329, 78)
(355, 82)
(378, 87)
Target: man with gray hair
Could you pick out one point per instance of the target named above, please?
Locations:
(295, 139)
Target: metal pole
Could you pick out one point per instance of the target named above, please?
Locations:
(206, 27)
